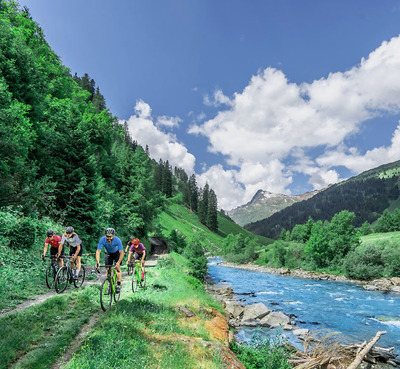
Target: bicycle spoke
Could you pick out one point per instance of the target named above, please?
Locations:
(106, 294)
(61, 281)
(78, 282)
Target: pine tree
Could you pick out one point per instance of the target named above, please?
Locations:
(167, 180)
(193, 193)
(203, 204)
(212, 211)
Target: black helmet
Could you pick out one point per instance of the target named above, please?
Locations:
(69, 230)
(110, 231)
(49, 233)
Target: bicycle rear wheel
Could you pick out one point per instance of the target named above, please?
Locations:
(50, 275)
(62, 279)
(78, 282)
(106, 294)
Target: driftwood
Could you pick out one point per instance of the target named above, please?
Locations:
(360, 356)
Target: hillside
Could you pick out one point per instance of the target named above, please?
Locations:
(367, 195)
(178, 217)
(264, 204)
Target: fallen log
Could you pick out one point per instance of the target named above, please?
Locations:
(360, 356)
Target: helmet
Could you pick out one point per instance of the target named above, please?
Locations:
(136, 241)
(69, 230)
(110, 231)
(50, 233)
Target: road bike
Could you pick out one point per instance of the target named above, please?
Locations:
(65, 275)
(107, 291)
(137, 277)
(51, 270)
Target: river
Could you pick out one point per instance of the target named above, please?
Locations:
(318, 305)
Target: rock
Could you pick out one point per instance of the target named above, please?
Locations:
(255, 311)
(275, 319)
(189, 313)
(233, 309)
(395, 281)
(218, 326)
(370, 287)
(250, 323)
(301, 332)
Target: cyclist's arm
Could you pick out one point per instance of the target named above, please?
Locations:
(78, 248)
(129, 257)
(144, 255)
(60, 247)
(98, 256)
(45, 249)
(121, 256)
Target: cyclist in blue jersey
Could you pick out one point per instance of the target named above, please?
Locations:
(113, 252)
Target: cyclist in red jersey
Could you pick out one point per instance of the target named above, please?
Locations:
(54, 242)
(139, 252)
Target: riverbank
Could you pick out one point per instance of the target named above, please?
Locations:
(382, 284)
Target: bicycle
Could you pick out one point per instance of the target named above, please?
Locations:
(107, 291)
(65, 276)
(51, 271)
(130, 268)
(137, 278)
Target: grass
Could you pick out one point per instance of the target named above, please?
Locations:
(37, 335)
(146, 329)
(381, 237)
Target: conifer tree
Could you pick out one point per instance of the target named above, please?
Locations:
(212, 211)
(203, 204)
(193, 193)
(167, 180)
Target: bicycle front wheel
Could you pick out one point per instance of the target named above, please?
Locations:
(50, 275)
(78, 282)
(130, 269)
(143, 281)
(62, 279)
(135, 281)
(106, 294)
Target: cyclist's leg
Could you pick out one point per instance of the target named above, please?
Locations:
(78, 262)
(61, 260)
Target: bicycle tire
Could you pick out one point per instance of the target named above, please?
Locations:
(143, 282)
(135, 281)
(50, 275)
(78, 282)
(106, 294)
(117, 295)
(62, 279)
(130, 269)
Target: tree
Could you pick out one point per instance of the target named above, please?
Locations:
(203, 204)
(317, 247)
(194, 252)
(193, 193)
(212, 211)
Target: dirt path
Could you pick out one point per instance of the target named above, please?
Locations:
(76, 342)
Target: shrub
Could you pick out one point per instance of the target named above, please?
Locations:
(364, 263)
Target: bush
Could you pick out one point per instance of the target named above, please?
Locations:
(364, 263)
(262, 353)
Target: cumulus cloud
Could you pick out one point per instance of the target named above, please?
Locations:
(162, 145)
(169, 122)
(273, 121)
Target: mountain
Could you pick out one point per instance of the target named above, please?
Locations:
(367, 195)
(264, 204)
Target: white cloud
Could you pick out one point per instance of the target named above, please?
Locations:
(162, 145)
(169, 122)
(273, 120)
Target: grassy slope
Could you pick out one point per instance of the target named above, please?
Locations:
(180, 218)
(144, 329)
(381, 237)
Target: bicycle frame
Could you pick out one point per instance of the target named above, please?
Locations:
(108, 288)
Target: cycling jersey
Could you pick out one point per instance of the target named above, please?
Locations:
(111, 247)
(139, 249)
(55, 242)
(74, 241)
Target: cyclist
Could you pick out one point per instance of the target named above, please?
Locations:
(139, 251)
(113, 252)
(129, 243)
(75, 249)
(54, 242)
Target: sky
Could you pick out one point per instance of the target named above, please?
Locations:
(285, 96)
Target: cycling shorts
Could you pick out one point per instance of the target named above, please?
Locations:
(72, 251)
(110, 258)
(54, 251)
(137, 256)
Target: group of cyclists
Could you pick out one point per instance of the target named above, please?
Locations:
(112, 244)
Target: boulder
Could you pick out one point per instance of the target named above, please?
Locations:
(250, 322)
(255, 311)
(233, 309)
(275, 319)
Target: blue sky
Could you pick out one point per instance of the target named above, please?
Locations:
(284, 96)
